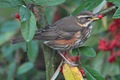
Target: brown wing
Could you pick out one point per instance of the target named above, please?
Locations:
(67, 24)
(62, 29)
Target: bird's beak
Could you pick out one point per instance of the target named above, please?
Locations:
(95, 18)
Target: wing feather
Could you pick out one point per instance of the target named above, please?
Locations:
(62, 29)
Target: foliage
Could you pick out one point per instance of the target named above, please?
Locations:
(25, 65)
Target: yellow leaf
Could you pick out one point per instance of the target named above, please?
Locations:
(71, 73)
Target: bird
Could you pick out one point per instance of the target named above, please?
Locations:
(65, 34)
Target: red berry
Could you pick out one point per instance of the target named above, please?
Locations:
(111, 58)
(109, 4)
(103, 45)
(113, 43)
(117, 36)
(57, 16)
(61, 69)
(112, 28)
(17, 16)
(82, 72)
(118, 53)
(100, 16)
(116, 21)
(75, 58)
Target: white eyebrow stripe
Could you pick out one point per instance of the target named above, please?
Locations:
(83, 16)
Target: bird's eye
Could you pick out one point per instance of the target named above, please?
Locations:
(88, 17)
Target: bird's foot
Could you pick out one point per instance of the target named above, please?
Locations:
(71, 63)
(67, 61)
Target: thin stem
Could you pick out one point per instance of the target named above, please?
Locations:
(57, 71)
(107, 11)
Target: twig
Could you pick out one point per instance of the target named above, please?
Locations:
(107, 11)
(17, 61)
(57, 71)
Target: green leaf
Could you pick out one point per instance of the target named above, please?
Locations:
(101, 64)
(24, 13)
(117, 13)
(24, 68)
(49, 13)
(8, 29)
(87, 5)
(10, 3)
(32, 50)
(75, 51)
(90, 41)
(117, 77)
(30, 1)
(106, 67)
(10, 26)
(28, 28)
(87, 51)
(4, 3)
(8, 50)
(49, 2)
(46, 2)
(91, 74)
(11, 71)
(98, 62)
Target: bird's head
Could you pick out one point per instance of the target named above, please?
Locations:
(86, 18)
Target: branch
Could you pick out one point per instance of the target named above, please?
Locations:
(50, 56)
(108, 10)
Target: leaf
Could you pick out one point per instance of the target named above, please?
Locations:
(8, 50)
(49, 13)
(24, 68)
(30, 1)
(98, 8)
(90, 41)
(4, 3)
(32, 50)
(49, 2)
(28, 28)
(10, 26)
(71, 73)
(11, 71)
(46, 2)
(10, 3)
(8, 29)
(87, 51)
(117, 13)
(101, 64)
(75, 51)
(117, 77)
(6, 37)
(91, 74)
(98, 62)
(25, 13)
(87, 5)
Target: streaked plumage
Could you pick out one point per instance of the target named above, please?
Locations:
(67, 33)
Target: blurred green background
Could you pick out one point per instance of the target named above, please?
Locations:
(14, 64)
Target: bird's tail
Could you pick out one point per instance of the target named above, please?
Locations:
(20, 38)
(17, 40)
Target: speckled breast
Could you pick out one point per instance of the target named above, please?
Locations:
(83, 37)
(78, 39)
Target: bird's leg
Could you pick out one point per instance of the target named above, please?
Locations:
(68, 62)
